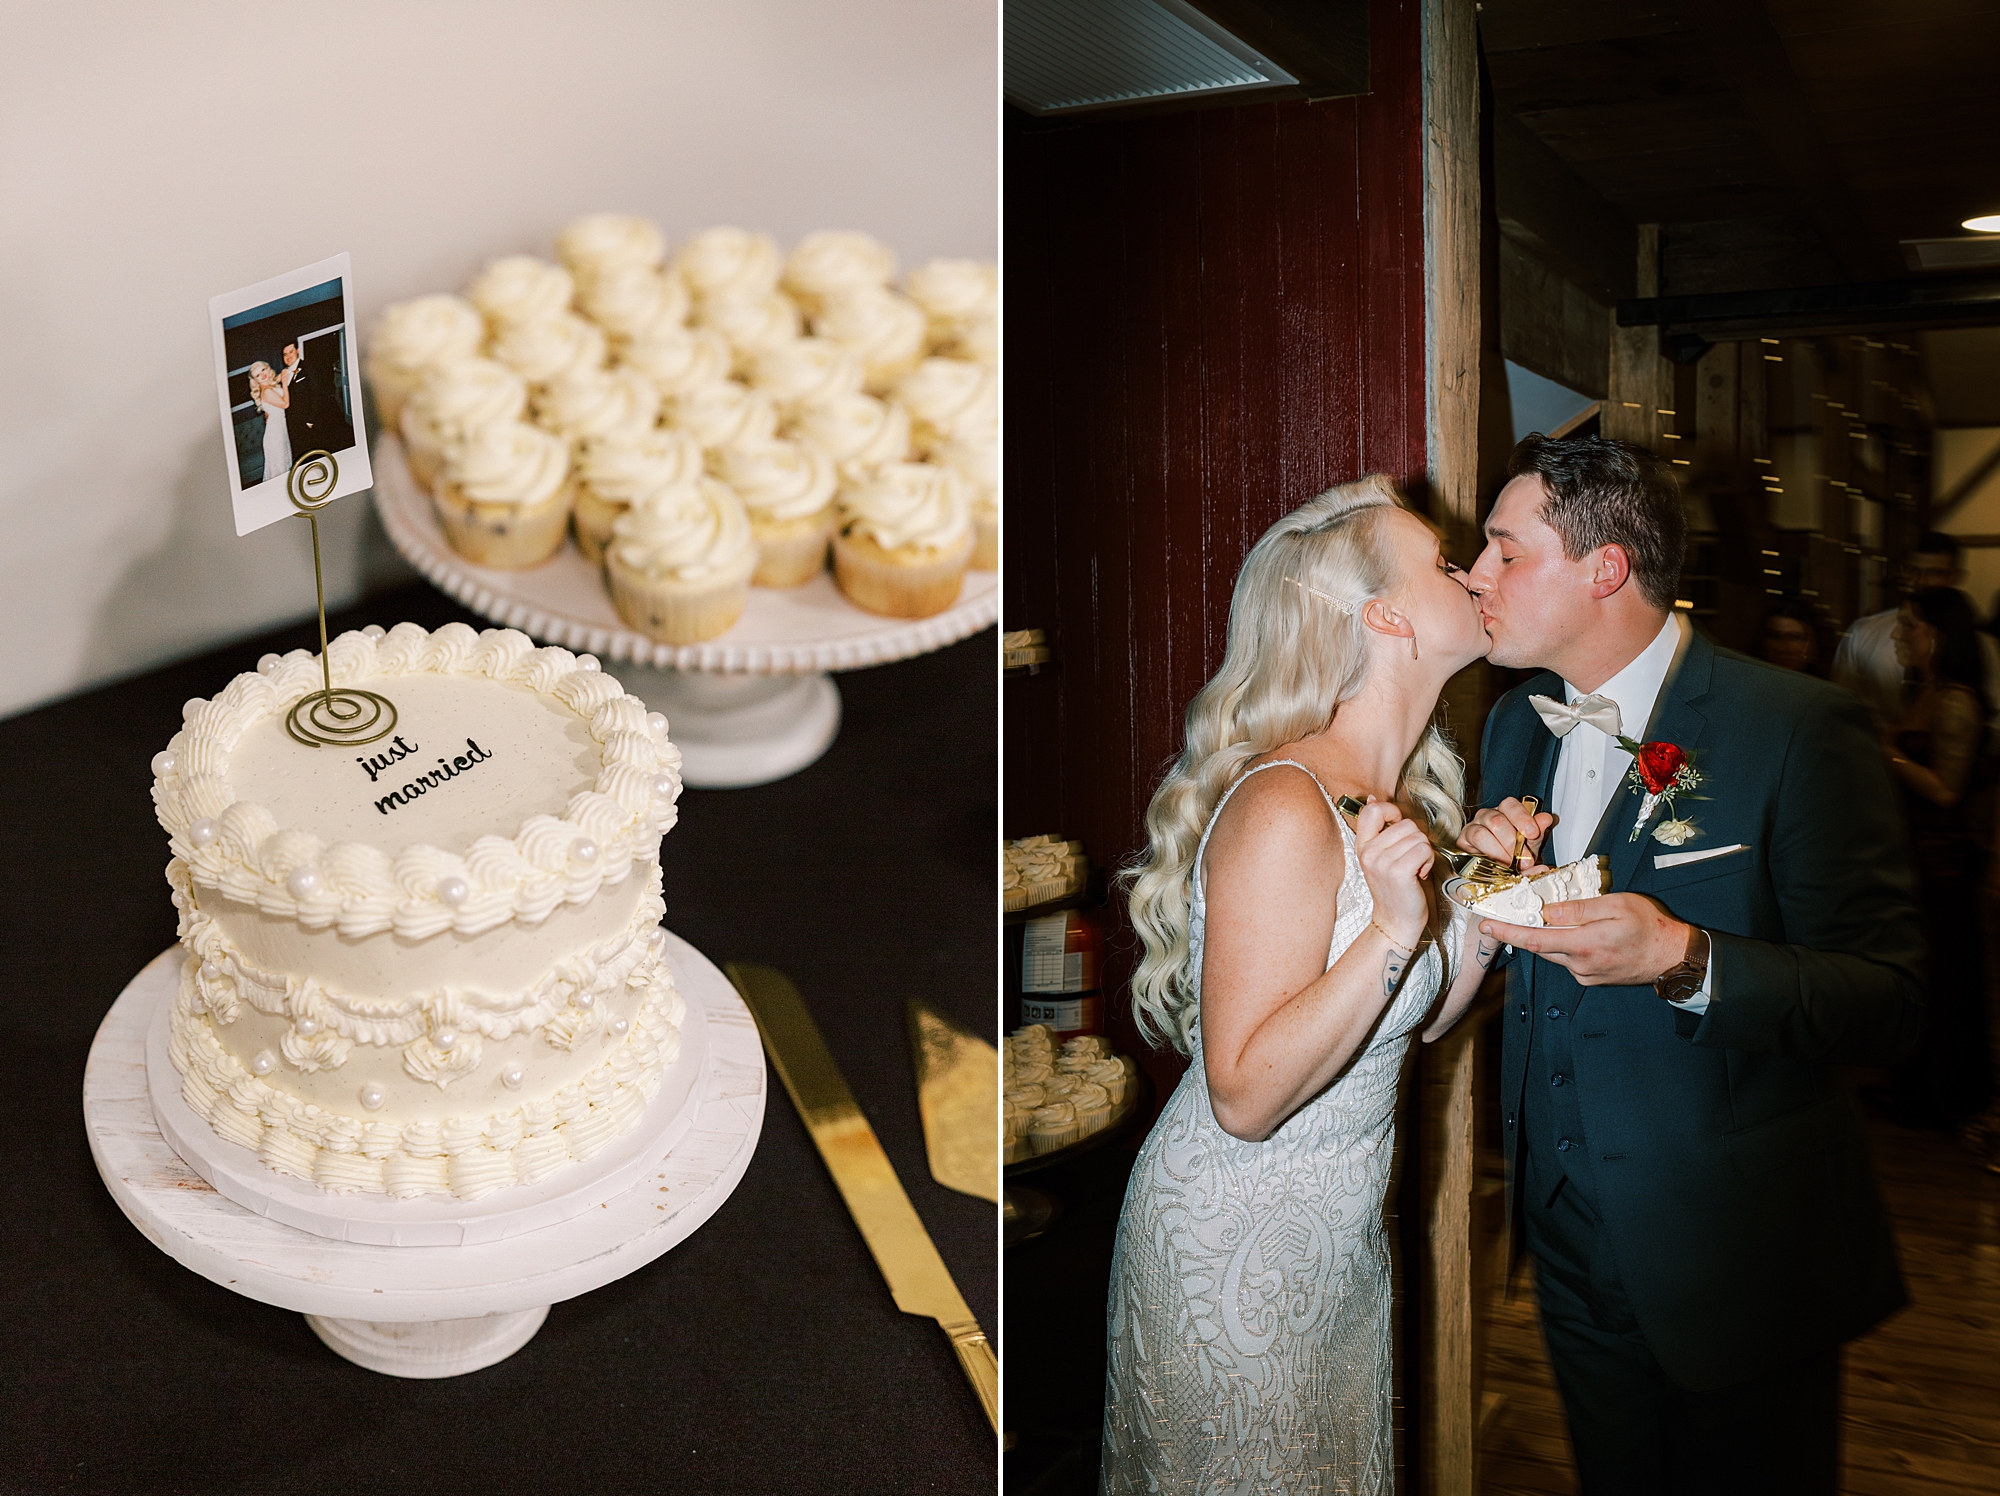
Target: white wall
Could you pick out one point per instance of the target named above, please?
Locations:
(1954, 454)
(157, 155)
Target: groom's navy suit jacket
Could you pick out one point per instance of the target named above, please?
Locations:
(1722, 1152)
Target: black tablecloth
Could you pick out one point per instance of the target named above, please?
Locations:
(763, 1354)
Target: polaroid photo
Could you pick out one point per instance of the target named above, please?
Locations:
(286, 361)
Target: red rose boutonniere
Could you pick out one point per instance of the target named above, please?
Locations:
(1662, 771)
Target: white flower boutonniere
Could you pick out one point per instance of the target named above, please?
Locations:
(1673, 833)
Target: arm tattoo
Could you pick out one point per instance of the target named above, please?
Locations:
(1393, 967)
(1487, 950)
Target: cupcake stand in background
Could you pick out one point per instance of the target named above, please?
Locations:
(435, 1286)
(754, 705)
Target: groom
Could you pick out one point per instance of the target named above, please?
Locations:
(1690, 1173)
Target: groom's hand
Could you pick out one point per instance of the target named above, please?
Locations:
(1617, 940)
(1491, 832)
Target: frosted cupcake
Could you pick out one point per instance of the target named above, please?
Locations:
(679, 562)
(413, 337)
(976, 459)
(721, 414)
(1053, 1126)
(605, 243)
(948, 397)
(858, 432)
(451, 403)
(550, 349)
(978, 340)
(954, 294)
(728, 264)
(677, 358)
(805, 370)
(520, 288)
(831, 262)
(788, 488)
(504, 495)
(751, 325)
(885, 331)
(630, 302)
(598, 402)
(612, 471)
(904, 538)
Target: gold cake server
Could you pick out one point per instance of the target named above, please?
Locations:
(895, 1234)
(958, 1095)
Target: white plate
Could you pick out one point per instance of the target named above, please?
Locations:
(783, 631)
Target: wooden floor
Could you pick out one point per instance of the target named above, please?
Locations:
(1921, 1395)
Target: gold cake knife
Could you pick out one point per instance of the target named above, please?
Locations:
(903, 1250)
(958, 1096)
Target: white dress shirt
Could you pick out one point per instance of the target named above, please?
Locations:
(1591, 767)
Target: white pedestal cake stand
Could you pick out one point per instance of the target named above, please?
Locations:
(432, 1311)
(746, 708)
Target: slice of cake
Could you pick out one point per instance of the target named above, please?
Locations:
(432, 963)
(1521, 903)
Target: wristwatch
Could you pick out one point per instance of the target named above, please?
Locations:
(1679, 983)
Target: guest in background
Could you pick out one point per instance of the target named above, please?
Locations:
(1789, 638)
(1937, 754)
(1866, 663)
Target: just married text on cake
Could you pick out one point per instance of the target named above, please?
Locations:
(400, 750)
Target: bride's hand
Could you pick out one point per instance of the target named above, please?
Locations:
(1396, 857)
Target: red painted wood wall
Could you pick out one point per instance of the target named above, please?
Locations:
(1211, 317)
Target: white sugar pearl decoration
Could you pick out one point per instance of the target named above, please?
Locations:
(663, 785)
(586, 1000)
(583, 849)
(189, 707)
(512, 1077)
(307, 1027)
(658, 722)
(202, 833)
(263, 1062)
(445, 1039)
(619, 1027)
(177, 901)
(163, 764)
(210, 972)
(588, 662)
(268, 663)
(374, 631)
(303, 882)
(372, 1097)
(452, 891)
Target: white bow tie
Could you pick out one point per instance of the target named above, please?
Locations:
(1601, 712)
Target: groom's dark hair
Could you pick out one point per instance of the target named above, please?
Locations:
(1603, 492)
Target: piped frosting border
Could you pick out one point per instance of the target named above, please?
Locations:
(239, 848)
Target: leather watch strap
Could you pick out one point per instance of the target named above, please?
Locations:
(1679, 983)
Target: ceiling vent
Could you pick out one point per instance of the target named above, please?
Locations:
(1975, 252)
(1067, 56)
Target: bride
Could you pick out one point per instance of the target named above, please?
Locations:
(1289, 953)
(272, 395)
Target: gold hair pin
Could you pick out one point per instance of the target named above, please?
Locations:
(1339, 603)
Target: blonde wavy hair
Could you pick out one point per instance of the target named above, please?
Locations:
(1297, 649)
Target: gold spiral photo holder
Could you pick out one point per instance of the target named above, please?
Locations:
(329, 718)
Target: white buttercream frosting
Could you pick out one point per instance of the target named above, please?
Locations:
(949, 397)
(978, 340)
(520, 288)
(908, 504)
(599, 402)
(413, 336)
(1521, 903)
(629, 302)
(884, 330)
(242, 850)
(976, 459)
(603, 243)
(507, 462)
(677, 358)
(686, 531)
(722, 413)
(623, 467)
(779, 480)
(858, 432)
(803, 370)
(955, 291)
(751, 325)
(729, 262)
(458, 398)
(550, 348)
(831, 261)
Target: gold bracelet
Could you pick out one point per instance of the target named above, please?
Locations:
(1408, 950)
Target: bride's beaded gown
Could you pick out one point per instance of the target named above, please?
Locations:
(1249, 1315)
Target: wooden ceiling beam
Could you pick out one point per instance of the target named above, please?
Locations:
(1544, 206)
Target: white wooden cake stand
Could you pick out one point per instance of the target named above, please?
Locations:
(429, 1310)
(748, 707)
